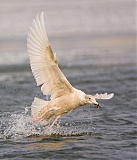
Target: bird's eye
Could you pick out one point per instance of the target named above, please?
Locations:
(89, 98)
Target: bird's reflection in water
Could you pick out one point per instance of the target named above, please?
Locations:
(50, 142)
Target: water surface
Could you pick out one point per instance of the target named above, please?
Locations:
(95, 62)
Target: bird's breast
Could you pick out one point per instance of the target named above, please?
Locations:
(66, 104)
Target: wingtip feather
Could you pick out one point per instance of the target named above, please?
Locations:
(104, 96)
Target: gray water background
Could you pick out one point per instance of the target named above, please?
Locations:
(95, 42)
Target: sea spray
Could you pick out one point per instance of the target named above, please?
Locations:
(19, 125)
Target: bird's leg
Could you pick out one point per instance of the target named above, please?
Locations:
(54, 121)
(39, 117)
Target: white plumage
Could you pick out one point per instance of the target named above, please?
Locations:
(46, 72)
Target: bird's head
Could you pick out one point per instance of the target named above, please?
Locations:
(86, 99)
(91, 100)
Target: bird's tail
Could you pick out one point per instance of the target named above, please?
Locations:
(37, 106)
(42, 112)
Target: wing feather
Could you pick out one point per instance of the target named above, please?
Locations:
(104, 96)
(43, 61)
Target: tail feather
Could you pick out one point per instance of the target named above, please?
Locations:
(40, 108)
(37, 105)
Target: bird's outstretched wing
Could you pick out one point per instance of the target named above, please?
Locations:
(43, 61)
(103, 96)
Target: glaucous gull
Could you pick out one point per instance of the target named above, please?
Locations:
(46, 72)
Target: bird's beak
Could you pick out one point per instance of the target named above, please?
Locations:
(97, 105)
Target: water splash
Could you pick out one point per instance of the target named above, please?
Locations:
(20, 125)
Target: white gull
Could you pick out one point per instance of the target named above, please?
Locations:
(46, 72)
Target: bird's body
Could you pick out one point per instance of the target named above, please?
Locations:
(59, 106)
(64, 97)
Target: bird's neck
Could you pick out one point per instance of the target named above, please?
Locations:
(79, 97)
